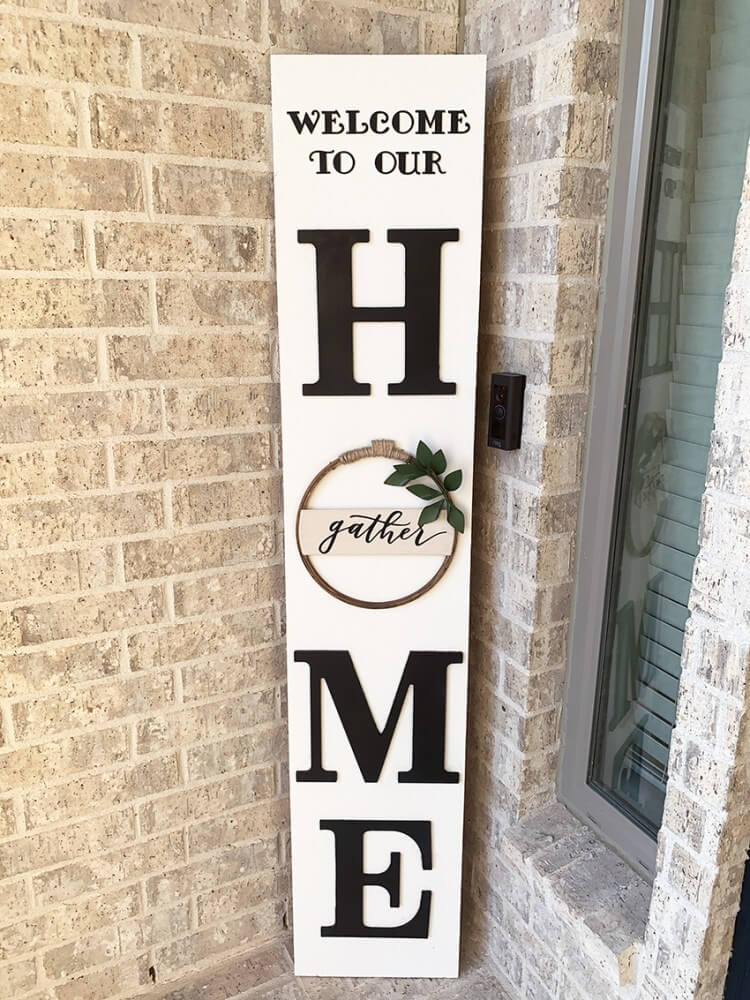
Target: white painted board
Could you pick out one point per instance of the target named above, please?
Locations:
(432, 629)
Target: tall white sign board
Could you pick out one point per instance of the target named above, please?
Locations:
(378, 182)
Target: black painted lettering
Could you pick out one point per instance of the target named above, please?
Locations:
(459, 123)
(332, 124)
(426, 673)
(307, 122)
(351, 879)
(337, 315)
(430, 124)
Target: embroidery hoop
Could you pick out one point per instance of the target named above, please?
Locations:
(378, 448)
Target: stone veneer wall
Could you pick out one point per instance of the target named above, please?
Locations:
(557, 913)
(142, 748)
(553, 77)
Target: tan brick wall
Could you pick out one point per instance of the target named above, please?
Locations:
(542, 920)
(142, 748)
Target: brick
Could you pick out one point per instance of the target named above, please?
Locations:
(108, 981)
(136, 246)
(17, 978)
(197, 551)
(289, 990)
(47, 762)
(81, 616)
(323, 27)
(510, 86)
(90, 836)
(52, 5)
(227, 500)
(578, 67)
(185, 189)
(228, 865)
(29, 114)
(707, 777)
(440, 37)
(40, 302)
(47, 522)
(29, 576)
(529, 137)
(76, 920)
(234, 19)
(154, 929)
(506, 198)
(152, 126)
(225, 675)
(105, 790)
(15, 903)
(577, 249)
(53, 361)
(208, 636)
(172, 65)
(242, 895)
(239, 790)
(587, 132)
(150, 461)
(185, 356)
(215, 302)
(218, 758)
(525, 23)
(249, 970)
(227, 591)
(197, 723)
(66, 51)
(32, 180)
(167, 812)
(222, 406)
(689, 877)
(53, 469)
(245, 825)
(73, 414)
(77, 708)
(7, 818)
(570, 192)
(250, 928)
(92, 949)
(600, 15)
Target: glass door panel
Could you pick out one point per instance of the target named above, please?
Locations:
(697, 175)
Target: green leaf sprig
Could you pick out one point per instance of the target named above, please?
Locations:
(430, 465)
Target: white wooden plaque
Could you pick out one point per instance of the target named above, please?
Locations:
(378, 186)
(363, 532)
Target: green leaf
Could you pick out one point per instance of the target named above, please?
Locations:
(424, 455)
(399, 479)
(453, 480)
(423, 492)
(409, 467)
(438, 463)
(456, 518)
(431, 513)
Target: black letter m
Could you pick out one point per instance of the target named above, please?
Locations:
(425, 673)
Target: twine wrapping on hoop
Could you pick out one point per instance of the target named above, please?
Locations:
(378, 448)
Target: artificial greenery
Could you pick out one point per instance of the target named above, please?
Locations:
(430, 465)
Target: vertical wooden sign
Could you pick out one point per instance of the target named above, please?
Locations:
(378, 183)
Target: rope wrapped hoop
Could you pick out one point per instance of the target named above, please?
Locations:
(378, 448)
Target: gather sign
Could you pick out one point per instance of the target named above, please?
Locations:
(378, 186)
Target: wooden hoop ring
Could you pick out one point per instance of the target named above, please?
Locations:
(379, 448)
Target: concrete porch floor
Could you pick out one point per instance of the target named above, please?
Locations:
(266, 974)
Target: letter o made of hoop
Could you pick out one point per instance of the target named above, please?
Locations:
(377, 449)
